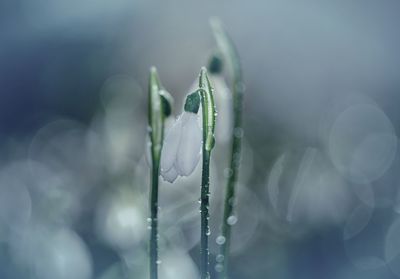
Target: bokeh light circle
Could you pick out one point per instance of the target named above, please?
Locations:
(362, 143)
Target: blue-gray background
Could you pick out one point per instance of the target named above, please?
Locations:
(319, 182)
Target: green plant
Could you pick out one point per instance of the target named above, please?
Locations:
(204, 96)
(229, 59)
(180, 150)
(209, 114)
(159, 108)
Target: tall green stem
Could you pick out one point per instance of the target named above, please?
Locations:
(154, 222)
(159, 107)
(208, 111)
(205, 196)
(231, 59)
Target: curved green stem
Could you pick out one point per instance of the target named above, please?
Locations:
(208, 111)
(231, 59)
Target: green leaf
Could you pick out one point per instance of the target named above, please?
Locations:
(208, 106)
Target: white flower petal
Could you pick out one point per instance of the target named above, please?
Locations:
(168, 124)
(170, 146)
(188, 154)
(170, 175)
(223, 101)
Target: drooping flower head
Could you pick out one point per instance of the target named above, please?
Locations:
(182, 143)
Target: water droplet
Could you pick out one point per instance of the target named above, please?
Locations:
(228, 172)
(148, 220)
(219, 258)
(219, 267)
(231, 220)
(158, 262)
(238, 132)
(236, 159)
(199, 200)
(220, 240)
(208, 231)
(212, 141)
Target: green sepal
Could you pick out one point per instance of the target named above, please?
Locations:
(192, 103)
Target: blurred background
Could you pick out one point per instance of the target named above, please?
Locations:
(318, 195)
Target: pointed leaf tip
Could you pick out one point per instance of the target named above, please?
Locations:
(203, 78)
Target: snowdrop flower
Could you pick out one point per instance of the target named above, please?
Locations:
(182, 143)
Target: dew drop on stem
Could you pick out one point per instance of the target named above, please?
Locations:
(220, 240)
(231, 220)
(219, 258)
(238, 132)
(219, 267)
(228, 172)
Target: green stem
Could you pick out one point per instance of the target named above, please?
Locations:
(154, 221)
(230, 194)
(205, 230)
(231, 58)
(208, 111)
(159, 107)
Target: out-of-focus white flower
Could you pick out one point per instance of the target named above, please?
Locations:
(182, 147)
(223, 100)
